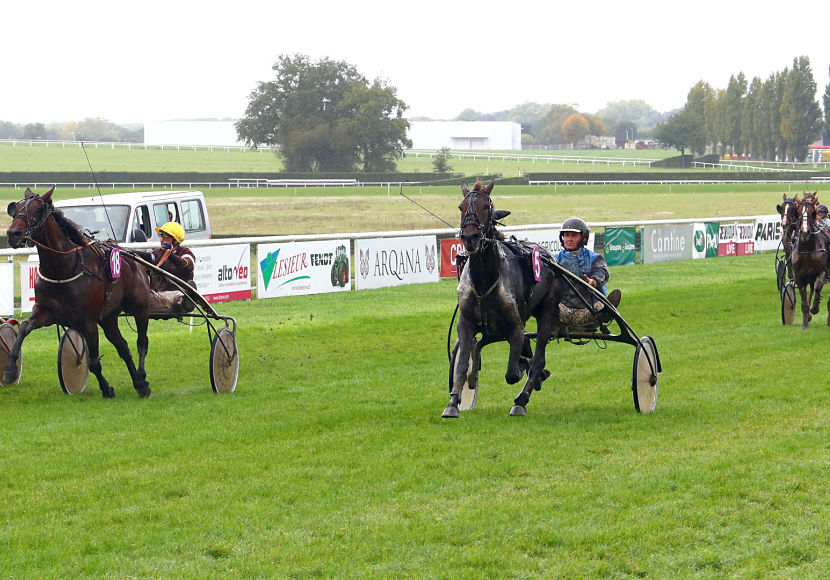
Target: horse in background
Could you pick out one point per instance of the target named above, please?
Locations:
(809, 259)
(77, 287)
(787, 209)
(497, 294)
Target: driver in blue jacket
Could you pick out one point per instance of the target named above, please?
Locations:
(590, 267)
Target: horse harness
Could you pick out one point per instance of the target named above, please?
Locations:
(100, 248)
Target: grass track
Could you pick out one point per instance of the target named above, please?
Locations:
(331, 459)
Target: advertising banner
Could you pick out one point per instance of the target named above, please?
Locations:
(665, 243)
(6, 289)
(222, 273)
(767, 232)
(727, 244)
(712, 236)
(28, 276)
(745, 239)
(620, 248)
(705, 239)
(547, 239)
(395, 261)
(450, 248)
(299, 268)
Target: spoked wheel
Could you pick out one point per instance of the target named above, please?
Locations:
(8, 334)
(224, 361)
(646, 373)
(788, 301)
(469, 392)
(73, 363)
(781, 273)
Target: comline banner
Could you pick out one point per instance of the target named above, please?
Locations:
(665, 243)
(298, 268)
(395, 261)
(548, 239)
(620, 248)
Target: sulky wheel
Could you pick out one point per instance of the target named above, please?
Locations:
(224, 361)
(781, 273)
(469, 392)
(73, 363)
(788, 302)
(646, 374)
(8, 334)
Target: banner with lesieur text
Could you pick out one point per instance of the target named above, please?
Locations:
(299, 268)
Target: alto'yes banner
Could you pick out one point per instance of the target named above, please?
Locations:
(395, 261)
(222, 273)
(299, 268)
(620, 248)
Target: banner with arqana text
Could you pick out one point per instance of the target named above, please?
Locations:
(299, 268)
(620, 247)
(395, 261)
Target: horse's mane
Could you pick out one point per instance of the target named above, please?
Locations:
(70, 228)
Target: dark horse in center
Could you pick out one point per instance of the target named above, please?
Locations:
(809, 259)
(497, 294)
(78, 288)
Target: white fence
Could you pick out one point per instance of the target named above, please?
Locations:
(403, 257)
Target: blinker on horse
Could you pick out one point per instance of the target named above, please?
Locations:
(74, 288)
(497, 294)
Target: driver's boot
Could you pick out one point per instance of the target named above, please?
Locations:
(605, 315)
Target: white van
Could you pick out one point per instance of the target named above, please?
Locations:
(134, 217)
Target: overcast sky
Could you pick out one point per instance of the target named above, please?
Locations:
(132, 62)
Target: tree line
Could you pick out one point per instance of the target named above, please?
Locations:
(90, 129)
(772, 119)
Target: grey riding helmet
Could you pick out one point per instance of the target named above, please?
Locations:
(823, 208)
(574, 224)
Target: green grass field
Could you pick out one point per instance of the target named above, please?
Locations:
(244, 212)
(70, 157)
(331, 459)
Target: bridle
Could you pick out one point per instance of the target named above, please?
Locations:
(470, 218)
(46, 209)
(15, 211)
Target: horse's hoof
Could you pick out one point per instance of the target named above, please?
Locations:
(108, 393)
(450, 412)
(145, 391)
(518, 411)
(513, 378)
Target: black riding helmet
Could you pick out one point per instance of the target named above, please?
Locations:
(823, 208)
(574, 224)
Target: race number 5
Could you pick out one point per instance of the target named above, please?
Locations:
(537, 264)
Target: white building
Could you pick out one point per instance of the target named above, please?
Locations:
(190, 133)
(484, 135)
(465, 135)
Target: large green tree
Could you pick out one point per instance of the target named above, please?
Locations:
(326, 116)
(683, 130)
(800, 113)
